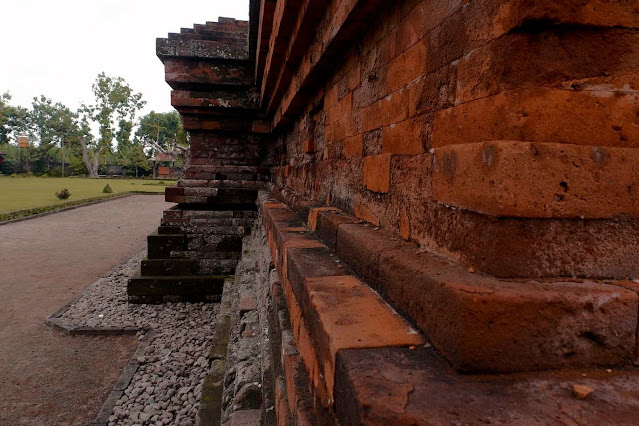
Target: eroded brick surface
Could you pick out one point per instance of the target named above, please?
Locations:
(403, 386)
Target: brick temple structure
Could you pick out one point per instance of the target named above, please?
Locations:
(447, 187)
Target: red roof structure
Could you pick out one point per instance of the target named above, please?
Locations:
(161, 157)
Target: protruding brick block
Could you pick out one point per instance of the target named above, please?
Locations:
(281, 403)
(327, 224)
(404, 137)
(361, 246)
(174, 194)
(598, 116)
(541, 180)
(313, 216)
(181, 73)
(377, 173)
(394, 386)
(477, 321)
(161, 246)
(185, 289)
(347, 314)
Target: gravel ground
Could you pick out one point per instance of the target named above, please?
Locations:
(166, 388)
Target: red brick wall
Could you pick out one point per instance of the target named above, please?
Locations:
(500, 132)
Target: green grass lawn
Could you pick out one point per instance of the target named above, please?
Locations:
(31, 192)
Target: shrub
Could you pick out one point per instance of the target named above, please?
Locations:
(29, 174)
(161, 182)
(13, 175)
(45, 176)
(63, 194)
(107, 189)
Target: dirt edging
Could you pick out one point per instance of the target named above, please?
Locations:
(75, 206)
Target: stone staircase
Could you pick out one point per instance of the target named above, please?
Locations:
(199, 241)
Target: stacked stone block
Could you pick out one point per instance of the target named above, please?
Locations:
(200, 240)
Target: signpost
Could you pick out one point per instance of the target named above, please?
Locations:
(23, 144)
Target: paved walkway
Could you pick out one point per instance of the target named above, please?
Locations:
(46, 377)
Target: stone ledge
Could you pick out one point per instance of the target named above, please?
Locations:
(159, 289)
(205, 49)
(206, 74)
(296, 398)
(402, 386)
(211, 401)
(330, 310)
(484, 324)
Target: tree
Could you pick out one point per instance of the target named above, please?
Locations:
(115, 102)
(165, 133)
(91, 158)
(138, 159)
(162, 127)
(55, 127)
(13, 120)
(123, 136)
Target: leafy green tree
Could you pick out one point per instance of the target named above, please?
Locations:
(123, 135)
(138, 159)
(55, 130)
(13, 120)
(162, 128)
(114, 110)
(115, 103)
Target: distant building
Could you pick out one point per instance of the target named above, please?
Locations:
(164, 166)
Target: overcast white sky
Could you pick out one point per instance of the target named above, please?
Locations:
(58, 47)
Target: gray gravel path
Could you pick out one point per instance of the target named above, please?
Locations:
(167, 387)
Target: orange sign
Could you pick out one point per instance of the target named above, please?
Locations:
(163, 171)
(23, 141)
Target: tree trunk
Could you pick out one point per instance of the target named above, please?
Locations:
(92, 164)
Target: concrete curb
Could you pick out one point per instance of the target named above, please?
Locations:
(64, 209)
(210, 412)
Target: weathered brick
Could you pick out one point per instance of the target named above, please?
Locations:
(313, 215)
(395, 107)
(404, 137)
(588, 117)
(353, 146)
(376, 173)
(406, 67)
(347, 314)
(477, 321)
(403, 386)
(520, 179)
(533, 59)
(372, 117)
